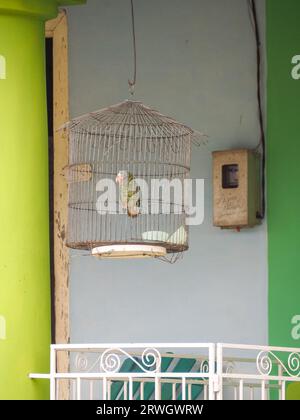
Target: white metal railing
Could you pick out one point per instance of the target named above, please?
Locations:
(263, 371)
(203, 371)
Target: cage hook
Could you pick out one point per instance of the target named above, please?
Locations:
(131, 87)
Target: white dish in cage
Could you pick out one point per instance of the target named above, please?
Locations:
(128, 251)
(155, 235)
(179, 237)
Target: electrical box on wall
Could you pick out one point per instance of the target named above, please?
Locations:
(236, 188)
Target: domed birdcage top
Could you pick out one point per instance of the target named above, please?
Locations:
(131, 114)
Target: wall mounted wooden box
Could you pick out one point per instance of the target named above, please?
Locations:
(236, 188)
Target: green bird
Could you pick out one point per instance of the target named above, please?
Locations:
(130, 193)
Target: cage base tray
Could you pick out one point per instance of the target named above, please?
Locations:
(128, 251)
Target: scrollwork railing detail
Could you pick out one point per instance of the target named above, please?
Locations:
(110, 361)
(82, 363)
(266, 361)
(204, 366)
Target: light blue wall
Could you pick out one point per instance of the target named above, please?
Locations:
(196, 62)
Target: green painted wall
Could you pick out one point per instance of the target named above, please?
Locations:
(24, 244)
(40, 8)
(24, 207)
(283, 43)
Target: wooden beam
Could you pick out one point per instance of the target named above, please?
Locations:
(53, 23)
(58, 30)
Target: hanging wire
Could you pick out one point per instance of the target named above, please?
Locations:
(132, 82)
(262, 142)
(250, 12)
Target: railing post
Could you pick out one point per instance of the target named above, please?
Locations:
(52, 373)
(219, 390)
(283, 391)
(78, 389)
(263, 390)
(174, 391)
(130, 388)
(241, 390)
(109, 389)
(211, 371)
(157, 388)
(91, 389)
(183, 391)
(104, 389)
(189, 392)
(280, 373)
(157, 382)
(205, 393)
(125, 390)
(142, 391)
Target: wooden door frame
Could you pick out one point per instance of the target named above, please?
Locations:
(57, 29)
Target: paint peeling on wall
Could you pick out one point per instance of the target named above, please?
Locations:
(2, 328)
(2, 67)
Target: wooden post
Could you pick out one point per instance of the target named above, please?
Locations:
(58, 30)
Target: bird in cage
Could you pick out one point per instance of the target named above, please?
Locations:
(130, 193)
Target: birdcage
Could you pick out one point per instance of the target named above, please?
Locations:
(127, 164)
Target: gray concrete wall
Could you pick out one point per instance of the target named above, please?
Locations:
(196, 62)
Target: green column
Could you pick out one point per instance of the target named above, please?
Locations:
(283, 45)
(24, 208)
